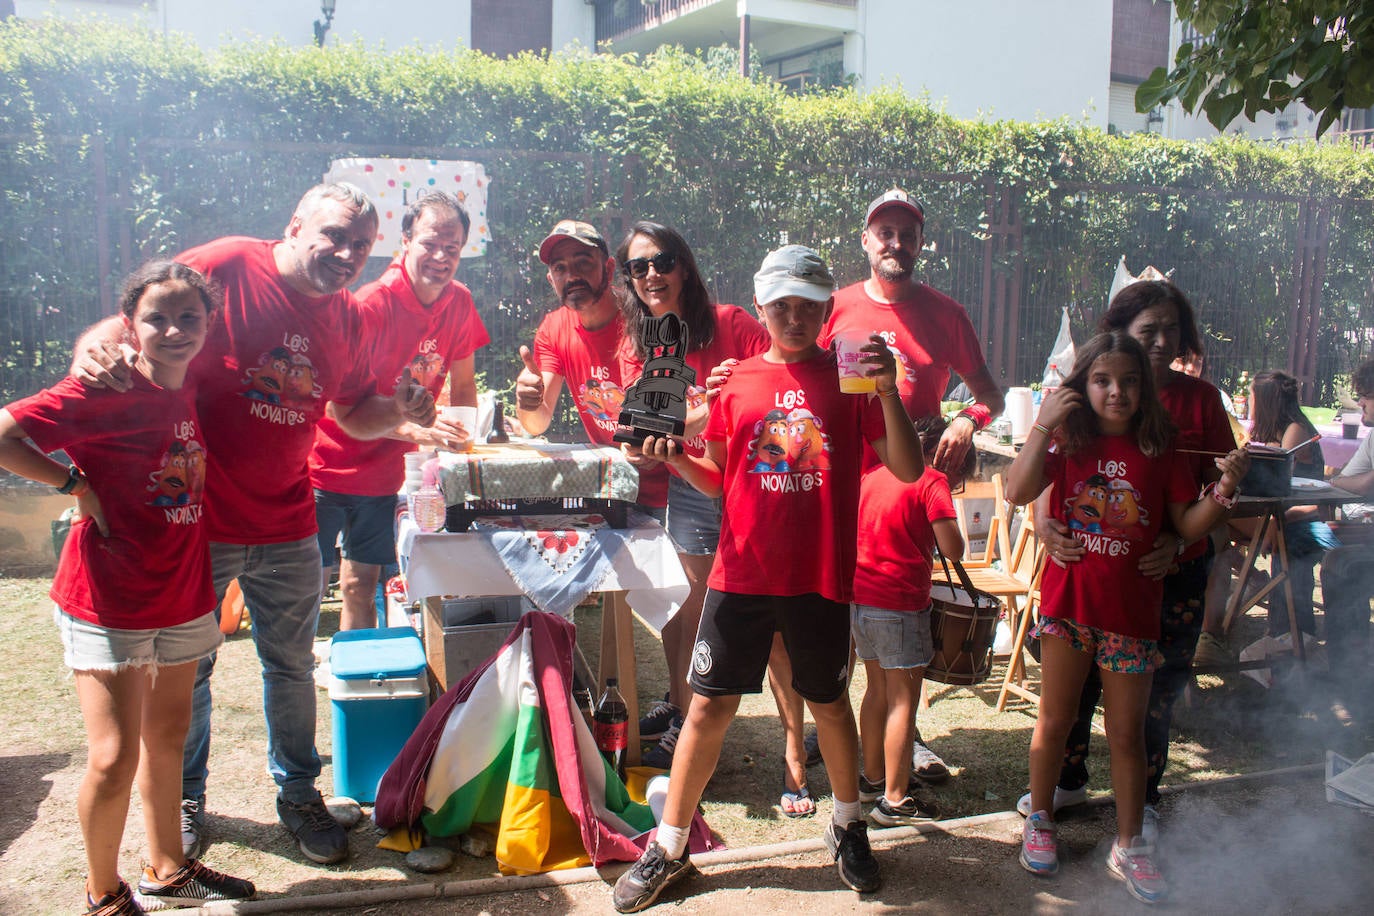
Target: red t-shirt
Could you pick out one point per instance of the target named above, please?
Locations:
(793, 445)
(589, 362)
(897, 538)
(929, 334)
(272, 360)
(1113, 498)
(1203, 424)
(738, 335)
(144, 454)
(400, 332)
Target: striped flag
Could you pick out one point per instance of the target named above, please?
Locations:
(507, 747)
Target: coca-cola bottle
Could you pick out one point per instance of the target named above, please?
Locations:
(498, 432)
(611, 726)
(1053, 378)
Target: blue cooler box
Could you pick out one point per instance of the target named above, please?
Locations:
(378, 691)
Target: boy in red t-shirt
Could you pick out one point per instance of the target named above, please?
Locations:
(784, 448)
(900, 525)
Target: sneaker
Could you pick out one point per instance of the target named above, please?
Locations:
(1136, 866)
(120, 903)
(660, 756)
(319, 836)
(193, 827)
(1212, 651)
(650, 876)
(910, 810)
(192, 885)
(812, 745)
(926, 765)
(661, 717)
(1063, 798)
(872, 791)
(1039, 851)
(853, 856)
(1149, 825)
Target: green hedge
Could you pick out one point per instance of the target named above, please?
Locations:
(119, 145)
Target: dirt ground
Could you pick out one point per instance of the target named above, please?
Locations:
(1309, 856)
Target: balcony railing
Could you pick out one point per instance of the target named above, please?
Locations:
(617, 19)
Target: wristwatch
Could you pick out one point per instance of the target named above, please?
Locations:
(74, 478)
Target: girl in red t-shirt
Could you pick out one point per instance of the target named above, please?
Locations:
(1113, 476)
(133, 592)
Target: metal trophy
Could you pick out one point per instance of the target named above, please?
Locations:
(656, 405)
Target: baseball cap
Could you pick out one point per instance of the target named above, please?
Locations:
(897, 198)
(573, 229)
(793, 270)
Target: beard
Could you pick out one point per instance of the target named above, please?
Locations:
(593, 295)
(884, 269)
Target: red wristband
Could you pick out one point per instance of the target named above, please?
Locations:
(978, 413)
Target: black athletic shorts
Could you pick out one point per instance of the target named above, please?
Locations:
(736, 633)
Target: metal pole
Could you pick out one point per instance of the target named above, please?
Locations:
(744, 46)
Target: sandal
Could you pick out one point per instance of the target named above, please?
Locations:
(793, 800)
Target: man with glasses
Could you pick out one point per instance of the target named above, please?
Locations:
(930, 335)
(1348, 571)
(580, 342)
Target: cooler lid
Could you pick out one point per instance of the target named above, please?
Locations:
(376, 654)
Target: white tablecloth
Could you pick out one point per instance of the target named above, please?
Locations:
(644, 565)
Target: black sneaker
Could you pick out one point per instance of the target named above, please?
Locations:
(192, 885)
(319, 836)
(193, 827)
(910, 810)
(650, 876)
(853, 856)
(872, 791)
(660, 756)
(660, 718)
(120, 903)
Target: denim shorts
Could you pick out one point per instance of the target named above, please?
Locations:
(88, 646)
(368, 524)
(1111, 651)
(693, 519)
(897, 639)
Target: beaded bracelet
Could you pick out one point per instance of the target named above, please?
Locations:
(1041, 427)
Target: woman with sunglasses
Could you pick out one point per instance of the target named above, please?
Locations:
(661, 276)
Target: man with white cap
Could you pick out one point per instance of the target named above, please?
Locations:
(785, 562)
(930, 335)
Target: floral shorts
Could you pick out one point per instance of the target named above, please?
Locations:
(1111, 651)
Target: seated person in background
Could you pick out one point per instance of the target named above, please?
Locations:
(1348, 571)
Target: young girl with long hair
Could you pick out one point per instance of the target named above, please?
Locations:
(134, 603)
(1103, 446)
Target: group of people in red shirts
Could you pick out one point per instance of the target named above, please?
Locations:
(247, 370)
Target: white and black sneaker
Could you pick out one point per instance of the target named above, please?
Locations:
(909, 811)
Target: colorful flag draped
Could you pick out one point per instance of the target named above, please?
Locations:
(507, 747)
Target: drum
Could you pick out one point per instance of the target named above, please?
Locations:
(962, 629)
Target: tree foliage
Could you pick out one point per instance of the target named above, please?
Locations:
(1258, 55)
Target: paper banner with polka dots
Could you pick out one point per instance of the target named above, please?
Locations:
(393, 184)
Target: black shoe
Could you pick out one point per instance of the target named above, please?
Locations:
(319, 836)
(872, 791)
(812, 745)
(192, 885)
(853, 856)
(120, 903)
(659, 720)
(910, 810)
(653, 874)
(193, 827)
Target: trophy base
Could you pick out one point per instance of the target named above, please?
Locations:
(635, 426)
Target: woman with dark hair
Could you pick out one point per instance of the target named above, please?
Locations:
(1160, 318)
(1279, 420)
(661, 277)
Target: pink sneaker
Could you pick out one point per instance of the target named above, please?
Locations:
(1039, 851)
(1136, 866)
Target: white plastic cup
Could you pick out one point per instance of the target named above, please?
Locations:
(467, 416)
(854, 377)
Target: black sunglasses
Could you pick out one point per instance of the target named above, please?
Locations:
(664, 262)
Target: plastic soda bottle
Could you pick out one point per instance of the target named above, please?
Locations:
(611, 726)
(1241, 399)
(1053, 378)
